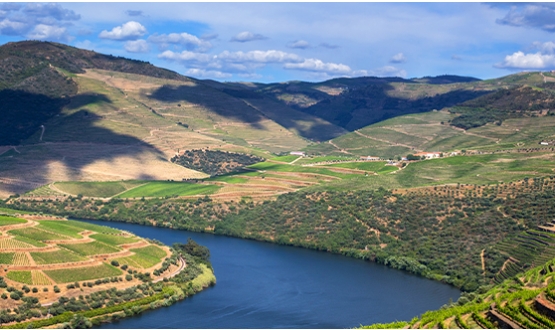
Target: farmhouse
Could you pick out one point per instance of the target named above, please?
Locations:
(428, 155)
(544, 143)
(297, 153)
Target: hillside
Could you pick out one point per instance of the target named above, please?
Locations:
(76, 115)
(435, 132)
(358, 102)
(525, 301)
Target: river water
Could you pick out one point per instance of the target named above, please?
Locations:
(263, 285)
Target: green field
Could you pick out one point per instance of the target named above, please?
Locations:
(267, 166)
(5, 221)
(30, 241)
(151, 251)
(90, 249)
(61, 227)
(168, 188)
(6, 258)
(285, 159)
(96, 189)
(377, 167)
(229, 179)
(83, 273)
(4, 210)
(21, 276)
(55, 257)
(92, 227)
(113, 239)
(144, 257)
(36, 234)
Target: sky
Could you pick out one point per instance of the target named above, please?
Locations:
(277, 42)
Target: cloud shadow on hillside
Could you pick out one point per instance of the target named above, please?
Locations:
(75, 140)
(214, 100)
(360, 107)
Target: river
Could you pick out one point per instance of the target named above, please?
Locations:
(263, 285)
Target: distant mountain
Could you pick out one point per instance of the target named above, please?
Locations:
(353, 103)
(445, 79)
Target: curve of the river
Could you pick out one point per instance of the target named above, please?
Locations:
(262, 285)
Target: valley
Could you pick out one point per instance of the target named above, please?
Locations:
(449, 178)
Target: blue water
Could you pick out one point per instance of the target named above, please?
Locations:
(262, 285)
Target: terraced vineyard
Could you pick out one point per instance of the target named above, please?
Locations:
(47, 253)
(524, 301)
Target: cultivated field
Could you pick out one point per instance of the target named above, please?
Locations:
(431, 132)
(47, 253)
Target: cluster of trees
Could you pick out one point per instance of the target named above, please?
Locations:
(504, 104)
(214, 162)
(439, 233)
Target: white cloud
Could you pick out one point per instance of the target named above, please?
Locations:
(519, 60)
(48, 32)
(9, 27)
(186, 56)
(544, 47)
(246, 63)
(247, 36)
(316, 65)
(259, 56)
(188, 40)
(50, 10)
(201, 73)
(398, 58)
(388, 71)
(128, 31)
(137, 46)
(299, 44)
(542, 59)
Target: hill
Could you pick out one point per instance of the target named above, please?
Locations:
(358, 102)
(436, 132)
(108, 118)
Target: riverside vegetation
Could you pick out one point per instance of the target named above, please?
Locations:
(461, 234)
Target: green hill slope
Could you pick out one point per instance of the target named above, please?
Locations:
(525, 301)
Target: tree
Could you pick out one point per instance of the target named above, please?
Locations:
(194, 249)
(80, 322)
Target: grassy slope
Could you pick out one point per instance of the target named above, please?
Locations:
(161, 189)
(425, 132)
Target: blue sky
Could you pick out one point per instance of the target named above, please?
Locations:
(271, 42)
